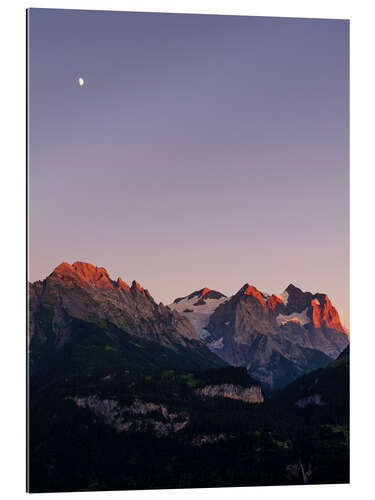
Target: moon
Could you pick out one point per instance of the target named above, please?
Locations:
(81, 81)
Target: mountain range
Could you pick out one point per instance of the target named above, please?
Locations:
(79, 305)
(214, 390)
(277, 337)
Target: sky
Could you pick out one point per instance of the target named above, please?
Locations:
(201, 151)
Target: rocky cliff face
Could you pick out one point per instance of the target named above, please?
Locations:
(277, 337)
(246, 394)
(81, 297)
(84, 291)
(140, 416)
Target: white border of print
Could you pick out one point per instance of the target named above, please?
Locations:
(12, 248)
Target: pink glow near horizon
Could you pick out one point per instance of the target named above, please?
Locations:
(201, 151)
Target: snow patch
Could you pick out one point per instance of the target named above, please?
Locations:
(300, 318)
(200, 315)
(283, 297)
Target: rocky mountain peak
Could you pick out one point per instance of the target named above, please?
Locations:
(274, 301)
(204, 294)
(253, 292)
(297, 299)
(292, 332)
(201, 296)
(122, 285)
(287, 332)
(83, 291)
(325, 314)
(62, 270)
(136, 287)
(292, 289)
(97, 276)
(82, 274)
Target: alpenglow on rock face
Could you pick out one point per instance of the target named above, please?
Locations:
(87, 292)
(79, 308)
(115, 377)
(276, 337)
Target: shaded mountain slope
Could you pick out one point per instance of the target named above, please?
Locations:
(326, 389)
(124, 395)
(81, 320)
(277, 337)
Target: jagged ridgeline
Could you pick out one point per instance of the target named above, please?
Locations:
(82, 322)
(116, 377)
(278, 337)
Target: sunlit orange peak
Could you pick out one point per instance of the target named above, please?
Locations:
(254, 292)
(122, 284)
(273, 301)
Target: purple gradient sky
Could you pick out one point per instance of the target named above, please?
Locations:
(201, 151)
